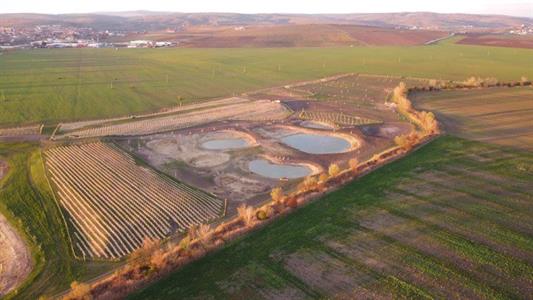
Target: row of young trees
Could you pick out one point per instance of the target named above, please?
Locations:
(472, 82)
(426, 121)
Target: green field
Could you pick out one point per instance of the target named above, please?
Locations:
(498, 115)
(70, 84)
(483, 251)
(27, 201)
(451, 220)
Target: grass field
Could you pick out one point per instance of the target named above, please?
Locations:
(25, 196)
(452, 220)
(69, 84)
(498, 115)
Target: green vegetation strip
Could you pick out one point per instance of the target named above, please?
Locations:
(27, 201)
(392, 251)
(52, 85)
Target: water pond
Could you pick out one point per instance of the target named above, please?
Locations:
(268, 169)
(316, 143)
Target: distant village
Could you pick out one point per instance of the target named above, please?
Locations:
(523, 30)
(57, 36)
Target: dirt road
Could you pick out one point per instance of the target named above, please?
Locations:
(15, 258)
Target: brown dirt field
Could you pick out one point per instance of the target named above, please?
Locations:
(510, 41)
(326, 273)
(439, 243)
(15, 258)
(387, 258)
(455, 217)
(254, 281)
(295, 35)
(495, 115)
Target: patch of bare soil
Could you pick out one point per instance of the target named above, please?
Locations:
(254, 281)
(15, 258)
(238, 188)
(390, 258)
(499, 41)
(328, 274)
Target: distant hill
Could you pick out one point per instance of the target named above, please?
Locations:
(291, 35)
(152, 21)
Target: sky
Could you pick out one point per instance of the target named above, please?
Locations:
(509, 7)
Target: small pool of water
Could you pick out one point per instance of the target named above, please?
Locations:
(316, 143)
(268, 169)
(316, 125)
(225, 144)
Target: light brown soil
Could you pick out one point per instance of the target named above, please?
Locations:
(295, 35)
(510, 41)
(15, 259)
(326, 273)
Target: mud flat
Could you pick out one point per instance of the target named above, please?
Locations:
(227, 140)
(317, 125)
(213, 161)
(15, 258)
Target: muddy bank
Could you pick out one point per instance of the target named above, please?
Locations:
(15, 258)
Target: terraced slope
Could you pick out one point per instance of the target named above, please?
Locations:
(113, 204)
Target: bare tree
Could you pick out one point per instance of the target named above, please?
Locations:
(246, 213)
(334, 170)
(353, 163)
(277, 194)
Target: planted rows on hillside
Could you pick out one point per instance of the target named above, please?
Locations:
(113, 204)
(244, 110)
(66, 127)
(359, 88)
(17, 131)
(334, 118)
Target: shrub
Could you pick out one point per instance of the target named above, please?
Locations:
(261, 215)
(291, 202)
(204, 233)
(334, 170)
(277, 194)
(185, 243)
(158, 260)
(79, 291)
(323, 178)
(269, 210)
(353, 163)
(309, 183)
(193, 232)
(246, 213)
(142, 254)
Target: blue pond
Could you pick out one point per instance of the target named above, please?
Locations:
(268, 169)
(316, 143)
